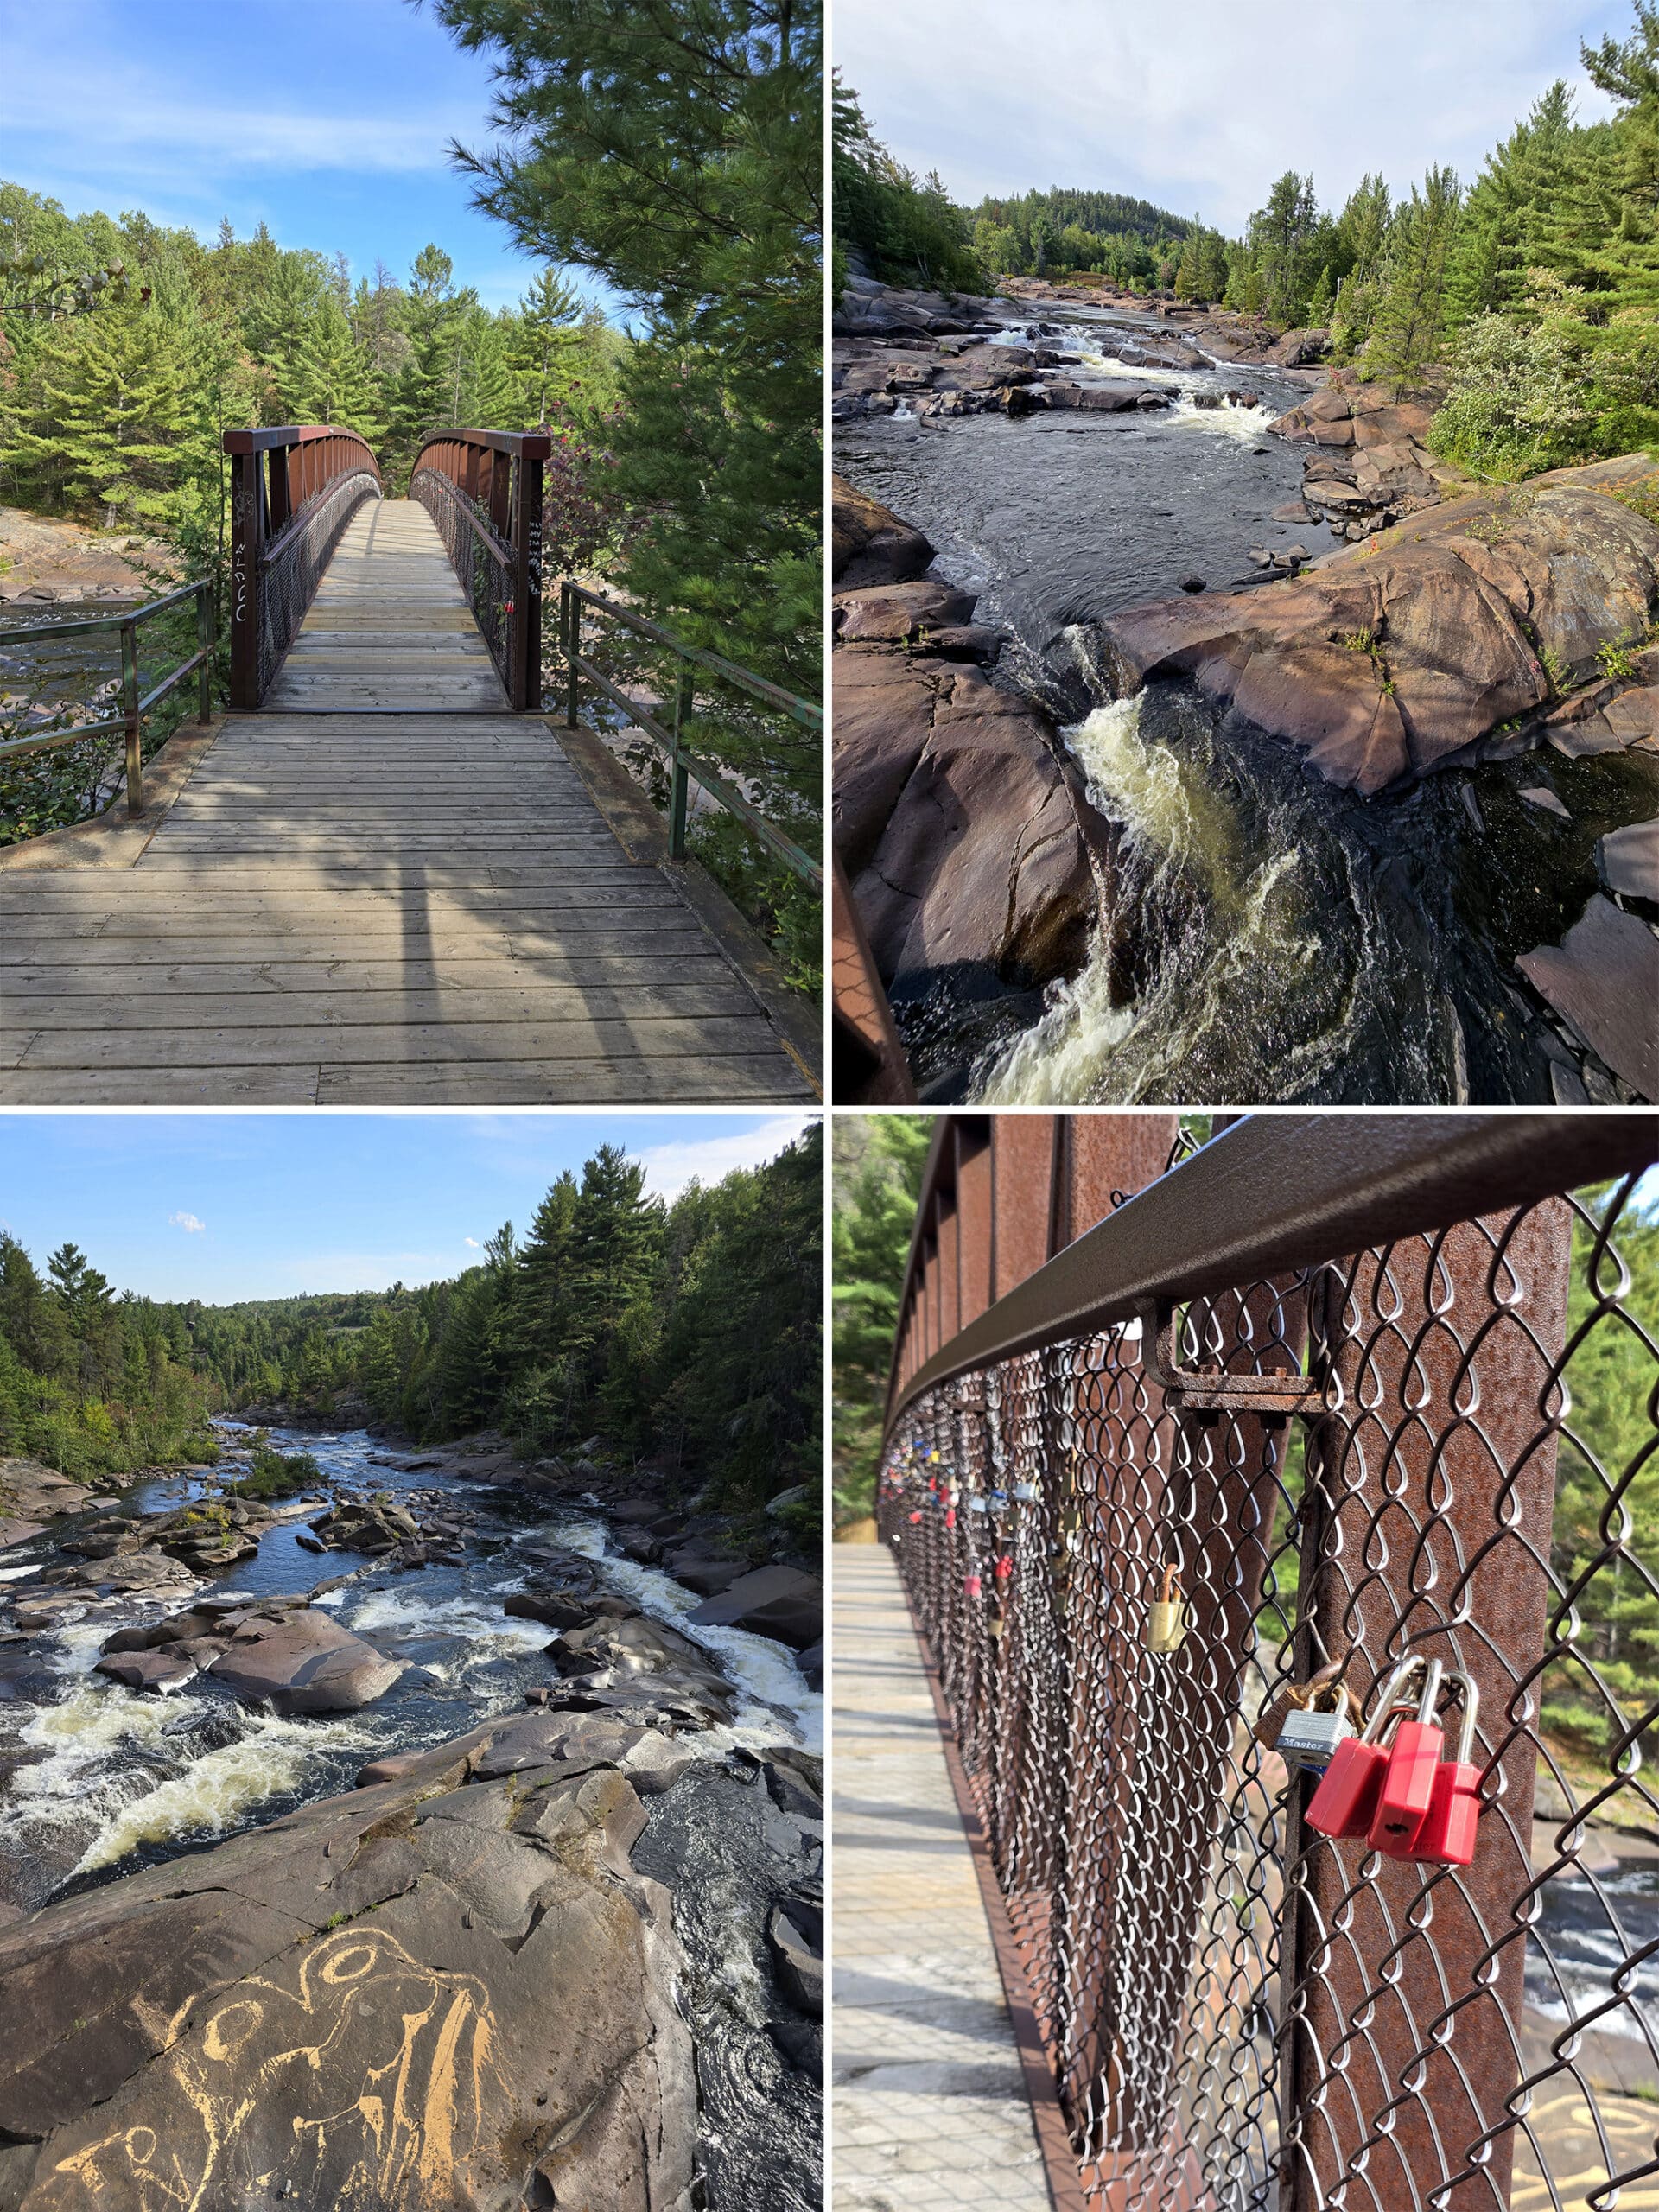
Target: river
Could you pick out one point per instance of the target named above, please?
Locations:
(1286, 942)
(100, 1780)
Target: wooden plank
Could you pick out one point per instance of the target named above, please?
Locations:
(664, 1037)
(161, 1086)
(761, 1077)
(546, 1009)
(464, 970)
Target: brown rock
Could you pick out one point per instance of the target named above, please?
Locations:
(775, 1601)
(1629, 861)
(1380, 664)
(384, 1999)
(148, 1670)
(1603, 978)
(305, 1661)
(885, 704)
(991, 853)
(892, 613)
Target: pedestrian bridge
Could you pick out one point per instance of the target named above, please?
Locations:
(385, 878)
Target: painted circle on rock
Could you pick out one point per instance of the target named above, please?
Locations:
(352, 1962)
(228, 2031)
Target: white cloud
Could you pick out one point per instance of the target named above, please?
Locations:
(1066, 92)
(188, 1222)
(669, 1167)
(472, 1244)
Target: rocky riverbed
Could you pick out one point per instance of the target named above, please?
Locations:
(1197, 734)
(424, 1745)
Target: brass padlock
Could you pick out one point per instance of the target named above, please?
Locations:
(1166, 1617)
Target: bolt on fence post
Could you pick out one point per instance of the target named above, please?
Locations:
(204, 642)
(676, 786)
(130, 711)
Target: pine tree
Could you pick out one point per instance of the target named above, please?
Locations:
(1409, 329)
(105, 414)
(332, 377)
(548, 329)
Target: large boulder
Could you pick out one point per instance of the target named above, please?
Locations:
(1603, 980)
(871, 545)
(304, 1662)
(1346, 412)
(966, 829)
(446, 1992)
(775, 1601)
(1380, 664)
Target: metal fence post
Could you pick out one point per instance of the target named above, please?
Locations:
(530, 466)
(247, 545)
(130, 711)
(572, 654)
(206, 641)
(678, 782)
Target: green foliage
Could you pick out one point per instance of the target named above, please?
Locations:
(92, 1384)
(276, 1474)
(676, 147)
(1409, 331)
(1103, 233)
(877, 1176)
(905, 228)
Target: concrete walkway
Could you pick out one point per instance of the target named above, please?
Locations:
(928, 2106)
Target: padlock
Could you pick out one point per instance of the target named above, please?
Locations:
(1447, 1837)
(1345, 1804)
(1309, 1737)
(970, 1586)
(1166, 1616)
(1026, 1493)
(978, 1505)
(1003, 1568)
(949, 1516)
(1409, 1777)
(917, 1515)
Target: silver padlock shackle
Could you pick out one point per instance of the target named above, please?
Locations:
(1392, 1701)
(1471, 1702)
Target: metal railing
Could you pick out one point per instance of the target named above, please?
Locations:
(293, 491)
(483, 489)
(684, 766)
(1366, 1386)
(133, 706)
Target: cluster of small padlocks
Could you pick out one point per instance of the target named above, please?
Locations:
(917, 1472)
(1387, 1780)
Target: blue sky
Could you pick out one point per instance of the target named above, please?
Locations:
(328, 119)
(225, 1206)
(1199, 107)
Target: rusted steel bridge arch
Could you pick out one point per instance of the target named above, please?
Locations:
(1319, 1371)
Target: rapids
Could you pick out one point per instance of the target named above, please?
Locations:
(1275, 940)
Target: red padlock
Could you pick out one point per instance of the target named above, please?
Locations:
(916, 1516)
(970, 1586)
(1345, 1804)
(1003, 1568)
(1409, 1777)
(1447, 1835)
(951, 1516)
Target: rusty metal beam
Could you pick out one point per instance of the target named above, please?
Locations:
(1272, 1193)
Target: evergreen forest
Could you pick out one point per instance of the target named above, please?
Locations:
(1524, 299)
(689, 1333)
(671, 149)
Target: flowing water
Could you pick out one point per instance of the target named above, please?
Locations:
(1273, 939)
(111, 1779)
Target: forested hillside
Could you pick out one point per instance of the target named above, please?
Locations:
(1525, 298)
(689, 1331)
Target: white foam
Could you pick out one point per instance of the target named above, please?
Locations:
(16, 1573)
(1244, 425)
(473, 1615)
(764, 1672)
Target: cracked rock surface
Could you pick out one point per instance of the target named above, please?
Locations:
(448, 1989)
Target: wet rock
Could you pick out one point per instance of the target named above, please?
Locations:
(1192, 583)
(968, 836)
(517, 1992)
(894, 613)
(871, 546)
(705, 1570)
(775, 1601)
(796, 1933)
(1380, 665)
(1536, 795)
(149, 1670)
(304, 1662)
(1629, 861)
(1603, 979)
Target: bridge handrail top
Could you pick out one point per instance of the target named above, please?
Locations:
(113, 621)
(525, 445)
(291, 435)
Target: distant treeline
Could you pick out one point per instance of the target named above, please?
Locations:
(1526, 301)
(689, 1332)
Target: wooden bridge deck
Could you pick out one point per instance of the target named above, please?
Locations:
(390, 631)
(353, 902)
